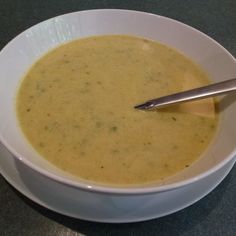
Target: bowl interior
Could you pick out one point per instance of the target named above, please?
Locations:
(22, 52)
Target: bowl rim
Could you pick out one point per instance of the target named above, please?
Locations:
(97, 187)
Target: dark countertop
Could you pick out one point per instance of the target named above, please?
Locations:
(214, 215)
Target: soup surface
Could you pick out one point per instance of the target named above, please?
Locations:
(76, 108)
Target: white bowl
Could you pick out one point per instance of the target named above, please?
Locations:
(114, 204)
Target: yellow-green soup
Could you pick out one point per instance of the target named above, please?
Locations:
(76, 108)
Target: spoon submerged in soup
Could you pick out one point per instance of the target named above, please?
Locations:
(212, 90)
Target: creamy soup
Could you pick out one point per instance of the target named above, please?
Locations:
(76, 108)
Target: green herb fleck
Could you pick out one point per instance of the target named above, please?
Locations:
(174, 147)
(173, 118)
(76, 126)
(114, 151)
(113, 128)
(98, 124)
(41, 144)
(84, 141)
(147, 143)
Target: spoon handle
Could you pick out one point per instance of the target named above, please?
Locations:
(190, 95)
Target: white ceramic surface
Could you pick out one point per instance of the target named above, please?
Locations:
(78, 204)
(22, 51)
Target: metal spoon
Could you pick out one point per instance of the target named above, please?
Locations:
(190, 95)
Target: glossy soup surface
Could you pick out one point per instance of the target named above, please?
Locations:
(76, 108)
